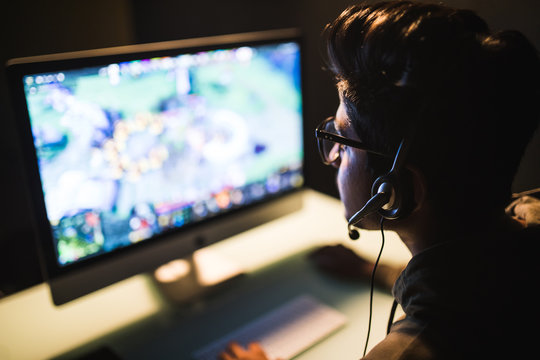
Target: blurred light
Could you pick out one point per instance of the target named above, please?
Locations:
(172, 271)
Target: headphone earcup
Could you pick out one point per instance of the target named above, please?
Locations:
(401, 201)
(389, 183)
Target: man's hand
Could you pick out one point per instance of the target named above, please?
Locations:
(525, 209)
(236, 351)
(343, 262)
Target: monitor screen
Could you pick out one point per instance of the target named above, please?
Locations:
(142, 144)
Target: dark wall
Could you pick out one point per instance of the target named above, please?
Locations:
(33, 28)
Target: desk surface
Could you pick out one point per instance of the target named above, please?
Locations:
(132, 318)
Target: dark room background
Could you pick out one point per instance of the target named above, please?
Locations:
(42, 27)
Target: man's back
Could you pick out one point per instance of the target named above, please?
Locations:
(468, 299)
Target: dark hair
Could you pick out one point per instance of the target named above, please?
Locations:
(469, 94)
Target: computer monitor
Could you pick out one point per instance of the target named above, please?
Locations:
(140, 154)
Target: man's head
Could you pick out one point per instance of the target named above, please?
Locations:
(468, 96)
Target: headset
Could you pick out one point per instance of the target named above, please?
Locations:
(391, 202)
(388, 198)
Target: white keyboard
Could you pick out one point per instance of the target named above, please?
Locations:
(284, 332)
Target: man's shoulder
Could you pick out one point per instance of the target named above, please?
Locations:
(404, 342)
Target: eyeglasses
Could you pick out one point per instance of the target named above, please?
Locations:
(330, 142)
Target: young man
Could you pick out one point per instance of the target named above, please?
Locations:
(456, 106)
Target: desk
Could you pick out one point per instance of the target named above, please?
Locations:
(134, 320)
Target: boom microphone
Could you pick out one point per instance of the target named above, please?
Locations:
(381, 198)
(353, 233)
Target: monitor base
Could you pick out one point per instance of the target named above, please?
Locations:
(187, 280)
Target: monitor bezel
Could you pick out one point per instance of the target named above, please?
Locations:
(77, 279)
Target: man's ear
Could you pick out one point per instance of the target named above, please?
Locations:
(419, 187)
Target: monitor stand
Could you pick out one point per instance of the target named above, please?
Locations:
(189, 279)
